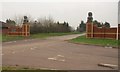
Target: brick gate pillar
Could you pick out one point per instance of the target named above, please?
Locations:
(89, 26)
(26, 27)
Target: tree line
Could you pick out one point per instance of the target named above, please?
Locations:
(44, 25)
(48, 25)
(82, 25)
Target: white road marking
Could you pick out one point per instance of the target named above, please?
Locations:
(13, 52)
(60, 55)
(108, 47)
(107, 65)
(58, 58)
(52, 58)
(14, 41)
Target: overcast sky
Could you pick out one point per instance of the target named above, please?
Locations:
(72, 12)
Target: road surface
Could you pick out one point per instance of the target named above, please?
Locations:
(57, 53)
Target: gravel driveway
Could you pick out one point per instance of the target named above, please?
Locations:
(57, 53)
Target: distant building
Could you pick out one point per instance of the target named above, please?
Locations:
(3, 27)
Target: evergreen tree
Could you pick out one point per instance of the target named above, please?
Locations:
(10, 22)
(97, 23)
(81, 27)
(106, 24)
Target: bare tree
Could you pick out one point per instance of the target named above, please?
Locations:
(20, 18)
(46, 21)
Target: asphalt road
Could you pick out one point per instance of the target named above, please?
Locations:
(57, 53)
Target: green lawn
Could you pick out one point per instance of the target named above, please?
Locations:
(11, 38)
(25, 69)
(17, 68)
(44, 35)
(95, 41)
(5, 38)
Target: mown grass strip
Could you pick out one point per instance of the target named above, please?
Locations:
(95, 41)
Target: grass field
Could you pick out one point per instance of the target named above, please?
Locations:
(5, 38)
(95, 41)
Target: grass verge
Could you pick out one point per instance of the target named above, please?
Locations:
(25, 69)
(16, 68)
(44, 35)
(5, 38)
(95, 41)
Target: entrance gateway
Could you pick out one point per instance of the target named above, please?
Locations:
(20, 31)
(93, 31)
